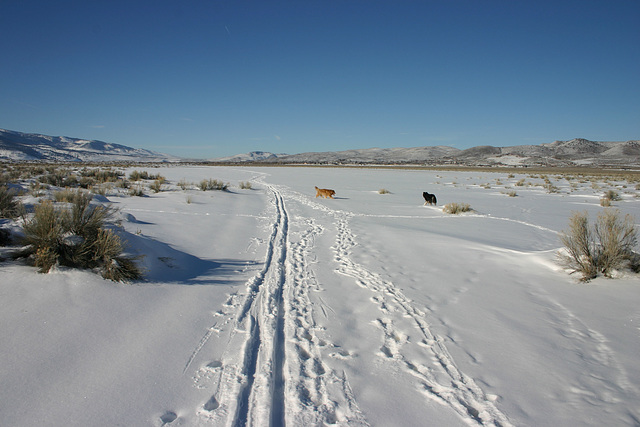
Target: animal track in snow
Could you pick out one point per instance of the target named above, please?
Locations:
(442, 381)
(168, 417)
(211, 405)
(214, 365)
(274, 353)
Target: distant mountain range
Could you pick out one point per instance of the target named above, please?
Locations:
(18, 146)
(576, 152)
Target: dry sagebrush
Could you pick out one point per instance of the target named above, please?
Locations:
(456, 208)
(75, 236)
(10, 207)
(600, 249)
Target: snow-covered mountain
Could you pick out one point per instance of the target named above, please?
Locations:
(253, 156)
(576, 152)
(19, 146)
(373, 155)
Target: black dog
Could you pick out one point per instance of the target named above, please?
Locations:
(429, 198)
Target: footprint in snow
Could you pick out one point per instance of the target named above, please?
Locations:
(215, 365)
(168, 417)
(342, 354)
(212, 404)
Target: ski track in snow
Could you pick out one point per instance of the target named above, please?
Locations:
(272, 371)
(442, 381)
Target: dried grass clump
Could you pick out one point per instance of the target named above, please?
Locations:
(609, 197)
(456, 208)
(604, 202)
(64, 195)
(58, 177)
(136, 191)
(102, 175)
(383, 191)
(549, 186)
(612, 195)
(9, 207)
(600, 249)
(156, 186)
(74, 236)
(183, 184)
(213, 184)
(245, 185)
(138, 175)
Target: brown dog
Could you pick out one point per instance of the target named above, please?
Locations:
(325, 193)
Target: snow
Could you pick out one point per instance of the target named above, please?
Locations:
(267, 305)
(510, 160)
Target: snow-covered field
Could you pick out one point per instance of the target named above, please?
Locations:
(267, 306)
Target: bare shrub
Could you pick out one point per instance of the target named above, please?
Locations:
(601, 249)
(183, 184)
(121, 269)
(102, 175)
(123, 183)
(612, 195)
(213, 184)
(106, 254)
(59, 177)
(383, 191)
(137, 190)
(549, 186)
(245, 185)
(617, 239)
(75, 237)
(9, 206)
(44, 232)
(137, 175)
(64, 195)
(581, 247)
(156, 186)
(456, 208)
(85, 219)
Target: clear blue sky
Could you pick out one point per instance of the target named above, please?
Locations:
(213, 78)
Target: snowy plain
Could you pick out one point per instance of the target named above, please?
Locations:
(269, 306)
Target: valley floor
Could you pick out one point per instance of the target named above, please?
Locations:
(269, 306)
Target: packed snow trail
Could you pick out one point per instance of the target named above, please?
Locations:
(272, 371)
(443, 382)
(274, 374)
(250, 390)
